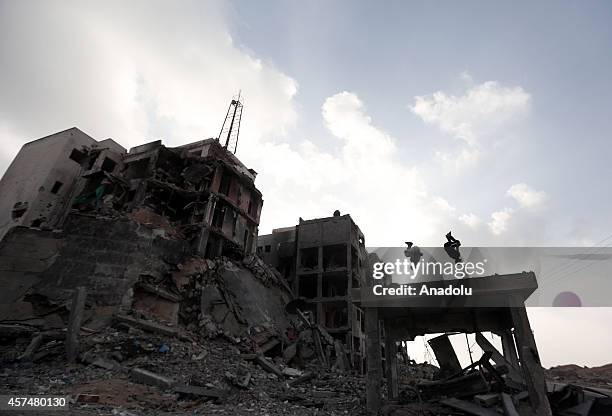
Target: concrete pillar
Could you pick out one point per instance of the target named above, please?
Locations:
(320, 316)
(391, 363)
(74, 324)
(530, 362)
(508, 348)
(373, 361)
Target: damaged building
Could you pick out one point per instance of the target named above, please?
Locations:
(202, 189)
(39, 185)
(323, 259)
(141, 265)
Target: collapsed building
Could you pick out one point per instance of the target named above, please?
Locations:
(151, 245)
(323, 259)
(201, 188)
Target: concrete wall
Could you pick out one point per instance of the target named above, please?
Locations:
(32, 174)
(105, 255)
(25, 254)
(324, 231)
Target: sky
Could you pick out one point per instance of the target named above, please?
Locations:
(488, 119)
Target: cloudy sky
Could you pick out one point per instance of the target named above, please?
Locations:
(492, 120)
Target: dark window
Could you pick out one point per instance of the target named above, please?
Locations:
(307, 286)
(19, 209)
(108, 165)
(226, 179)
(77, 156)
(309, 258)
(253, 204)
(138, 169)
(268, 247)
(56, 187)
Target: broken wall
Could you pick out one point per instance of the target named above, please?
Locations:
(107, 255)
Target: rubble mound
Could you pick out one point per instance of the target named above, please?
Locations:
(206, 337)
(594, 376)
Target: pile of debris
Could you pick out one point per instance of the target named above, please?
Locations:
(188, 340)
(593, 377)
(490, 386)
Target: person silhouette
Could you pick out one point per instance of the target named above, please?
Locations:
(413, 252)
(452, 247)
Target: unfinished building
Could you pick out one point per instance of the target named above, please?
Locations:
(323, 259)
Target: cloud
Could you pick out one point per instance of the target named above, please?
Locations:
(526, 196)
(476, 115)
(119, 75)
(387, 198)
(471, 220)
(499, 221)
(161, 71)
(135, 71)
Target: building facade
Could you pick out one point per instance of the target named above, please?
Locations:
(200, 191)
(38, 186)
(323, 260)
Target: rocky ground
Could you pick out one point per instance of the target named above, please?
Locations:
(594, 377)
(103, 383)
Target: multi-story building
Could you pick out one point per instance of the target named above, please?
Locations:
(38, 186)
(323, 259)
(201, 189)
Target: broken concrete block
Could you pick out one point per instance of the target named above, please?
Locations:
(290, 352)
(219, 312)
(147, 377)
(32, 347)
(269, 345)
(268, 366)
(291, 372)
(487, 400)
(508, 405)
(200, 356)
(241, 379)
(210, 297)
(102, 363)
(446, 356)
(155, 302)
(302, 379)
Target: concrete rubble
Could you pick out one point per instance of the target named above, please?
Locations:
(139, 359)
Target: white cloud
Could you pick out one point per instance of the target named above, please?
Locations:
(158, 71)
(387, 199)
(499, 221)
(118, 75)
(471, 117)
(136, 71)
(471, 220)
(526, 196)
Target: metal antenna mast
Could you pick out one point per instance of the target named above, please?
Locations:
(230, 130)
